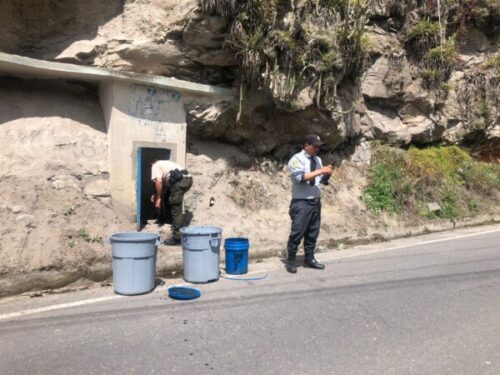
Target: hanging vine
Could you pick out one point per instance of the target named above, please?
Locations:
(287, 45)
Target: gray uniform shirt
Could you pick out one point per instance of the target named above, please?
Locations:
(299, 165)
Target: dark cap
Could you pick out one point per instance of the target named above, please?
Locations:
(313, 139)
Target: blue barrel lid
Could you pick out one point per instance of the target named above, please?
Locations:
(183, 292)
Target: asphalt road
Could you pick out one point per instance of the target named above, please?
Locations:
(429, 306)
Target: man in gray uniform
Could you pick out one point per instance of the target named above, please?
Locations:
(307, 174)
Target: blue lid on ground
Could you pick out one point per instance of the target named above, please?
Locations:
(183, 292)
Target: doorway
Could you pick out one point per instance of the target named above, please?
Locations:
(145, 187)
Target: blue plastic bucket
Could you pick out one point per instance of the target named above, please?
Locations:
(236, 255)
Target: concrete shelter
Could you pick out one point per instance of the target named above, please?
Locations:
(144, 117)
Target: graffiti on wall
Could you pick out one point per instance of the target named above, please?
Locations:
(150, 105)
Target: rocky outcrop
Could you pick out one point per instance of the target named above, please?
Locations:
(392, 103)
(399, 108)
(403, 109)
(44, 28)
(168, 38)
(386, 80)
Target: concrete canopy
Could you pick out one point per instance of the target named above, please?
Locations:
(27, 67)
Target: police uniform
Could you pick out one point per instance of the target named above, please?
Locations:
(305, 207)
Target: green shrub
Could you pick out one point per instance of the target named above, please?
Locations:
(285, 40)
(437, 162)
(431, 76)
(443, 55)
(87, 237)
(405, 181)
(380, 195)
(424, 31)
(450, 204)
(472, 205)
(493, 62)
(439, 63)
(484, 177)
(386, 175)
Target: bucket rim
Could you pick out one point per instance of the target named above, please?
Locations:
(201, 230)
(148, 236)
(239, 239)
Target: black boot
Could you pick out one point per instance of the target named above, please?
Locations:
(310, 262)
(291, 265)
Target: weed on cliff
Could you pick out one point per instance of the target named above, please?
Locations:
(402, 182)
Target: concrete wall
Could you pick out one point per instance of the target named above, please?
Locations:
(139, 115)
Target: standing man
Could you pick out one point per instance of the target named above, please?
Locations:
(307, 173)
(170, 176)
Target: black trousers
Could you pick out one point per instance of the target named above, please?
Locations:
(171, 207)
(306, 222)
(175, 199)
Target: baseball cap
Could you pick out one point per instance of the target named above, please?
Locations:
(314, 139)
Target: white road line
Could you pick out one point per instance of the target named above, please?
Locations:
(57, 307)
(445, 239)
(364, 251)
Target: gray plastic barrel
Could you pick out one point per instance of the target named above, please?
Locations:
(201, 253)
(134, 262)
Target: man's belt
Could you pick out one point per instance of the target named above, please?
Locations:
(316, 200)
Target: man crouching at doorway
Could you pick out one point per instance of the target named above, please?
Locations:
(171, 181)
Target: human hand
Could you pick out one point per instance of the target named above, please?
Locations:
(158, 203)
(327, 169)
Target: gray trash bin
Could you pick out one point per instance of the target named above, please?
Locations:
(134, 262)
(201, 253)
